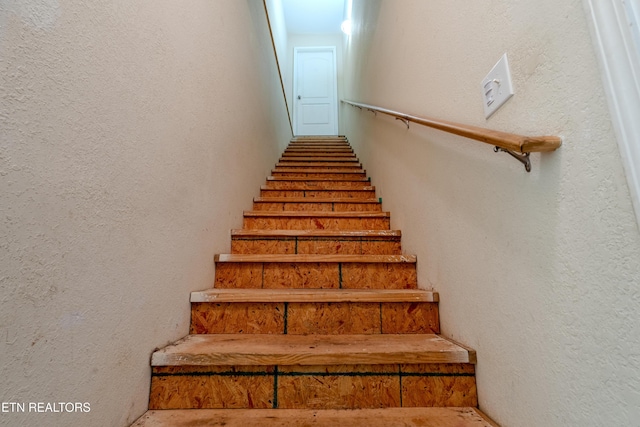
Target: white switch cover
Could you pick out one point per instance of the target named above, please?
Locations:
(497, 87)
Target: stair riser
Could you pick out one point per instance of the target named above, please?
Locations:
(345, 161)
(322, 194)
(319, 175)
(318, 207)
(333, 156)
(316, 223)
(319, 166)
(319, 153)
(321, 246)
(331, 275)
(319, 145)
(320, 140)
(316, 185)
(313, 387)
(329, 147)
(307, 149)
(296, 318)
(342, 154)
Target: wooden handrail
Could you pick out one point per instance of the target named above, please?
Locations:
(275, 53)
(507, 141)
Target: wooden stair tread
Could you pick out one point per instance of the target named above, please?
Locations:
(305, 179)
(317, 214)
(318, 165)
(316, 233)
(312, 200)
(318, 153)
(320, 159)
(290, 258)
(320, 145)
(339, 143)
(319, 138)
(264, 349)
(319, 150)
(407, 417)
(314, 295)
(320, 141)
(318, 171)
(334, 188)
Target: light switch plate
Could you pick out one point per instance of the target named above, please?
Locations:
(497, 87)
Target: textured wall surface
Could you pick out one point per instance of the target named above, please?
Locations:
(539, 272)
(132, 136)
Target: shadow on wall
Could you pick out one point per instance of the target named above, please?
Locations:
(362, 18)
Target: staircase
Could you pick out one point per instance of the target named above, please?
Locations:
(315, 317)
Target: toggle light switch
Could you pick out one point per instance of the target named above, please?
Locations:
(497, 87)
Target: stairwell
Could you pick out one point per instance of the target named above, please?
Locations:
(315, 317)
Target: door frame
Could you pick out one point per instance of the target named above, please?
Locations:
(334, 109)
(620, 66)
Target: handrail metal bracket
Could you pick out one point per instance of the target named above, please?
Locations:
(522, 158)
(403, 120)
(375, 113)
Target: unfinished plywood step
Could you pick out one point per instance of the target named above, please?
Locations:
(318, 173)
(316, 204)
(319, 145)
(312, 371)
(362, 259)
(283, 271)
(406, 417)
(316, 183)
(323, 193)
(313, 386)
(319, 137)
(313, 153)
(311, 159)
(315, 295)
(326, 152)
(313, 311)
(319, 141)
(312, 148)
(352, 242)
(313, 350)
(319, 220)
(319, 165)
(319, 151)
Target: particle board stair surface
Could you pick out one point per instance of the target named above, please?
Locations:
(328, 166)
(326, 192)
(316, 204)
(311, 158)
(405, 417)
(313, 295)
(323, 220)
(354, 242)
(315, 317)
(315, 350)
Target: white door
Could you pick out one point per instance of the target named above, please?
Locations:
(315, 91)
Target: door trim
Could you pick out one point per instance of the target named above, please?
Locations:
(334, 110)
(620, 65)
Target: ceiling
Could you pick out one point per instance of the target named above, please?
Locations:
(313, 16)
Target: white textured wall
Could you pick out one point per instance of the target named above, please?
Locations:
(539, 272)
(132, 136)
